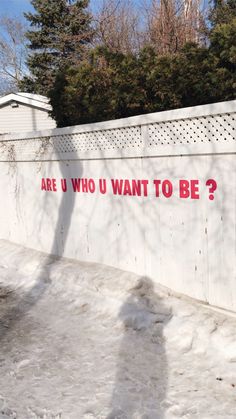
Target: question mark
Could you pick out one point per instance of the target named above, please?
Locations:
(212, 187)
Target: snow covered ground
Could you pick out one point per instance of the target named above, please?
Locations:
(83, 341)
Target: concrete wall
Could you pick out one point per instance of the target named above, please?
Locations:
(24, 118)
(181, 232)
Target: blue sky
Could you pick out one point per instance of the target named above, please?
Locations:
(16, 8)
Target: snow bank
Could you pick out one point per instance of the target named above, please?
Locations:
(83, 340)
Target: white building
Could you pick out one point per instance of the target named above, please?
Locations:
(21, 112)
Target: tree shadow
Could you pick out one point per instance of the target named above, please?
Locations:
(18, 305)
(142, 369)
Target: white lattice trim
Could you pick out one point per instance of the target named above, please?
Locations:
(197, 134)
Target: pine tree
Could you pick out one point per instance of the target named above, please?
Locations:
(223, 46)
(60, 31)
(222, 12)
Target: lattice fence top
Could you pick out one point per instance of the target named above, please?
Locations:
(206, 129)
(114, 139)
(139, 140)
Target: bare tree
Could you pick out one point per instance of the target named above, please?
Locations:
(172, 23)
(12, 53)
(166, 25)
(117, 26)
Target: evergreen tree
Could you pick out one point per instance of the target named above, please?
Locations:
(223, 11)
(106, 86)
(59, 36)
(223, 46)
(114, 85)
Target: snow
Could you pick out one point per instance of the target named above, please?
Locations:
(83, 341)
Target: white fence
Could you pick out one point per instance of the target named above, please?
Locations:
(154, 194)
